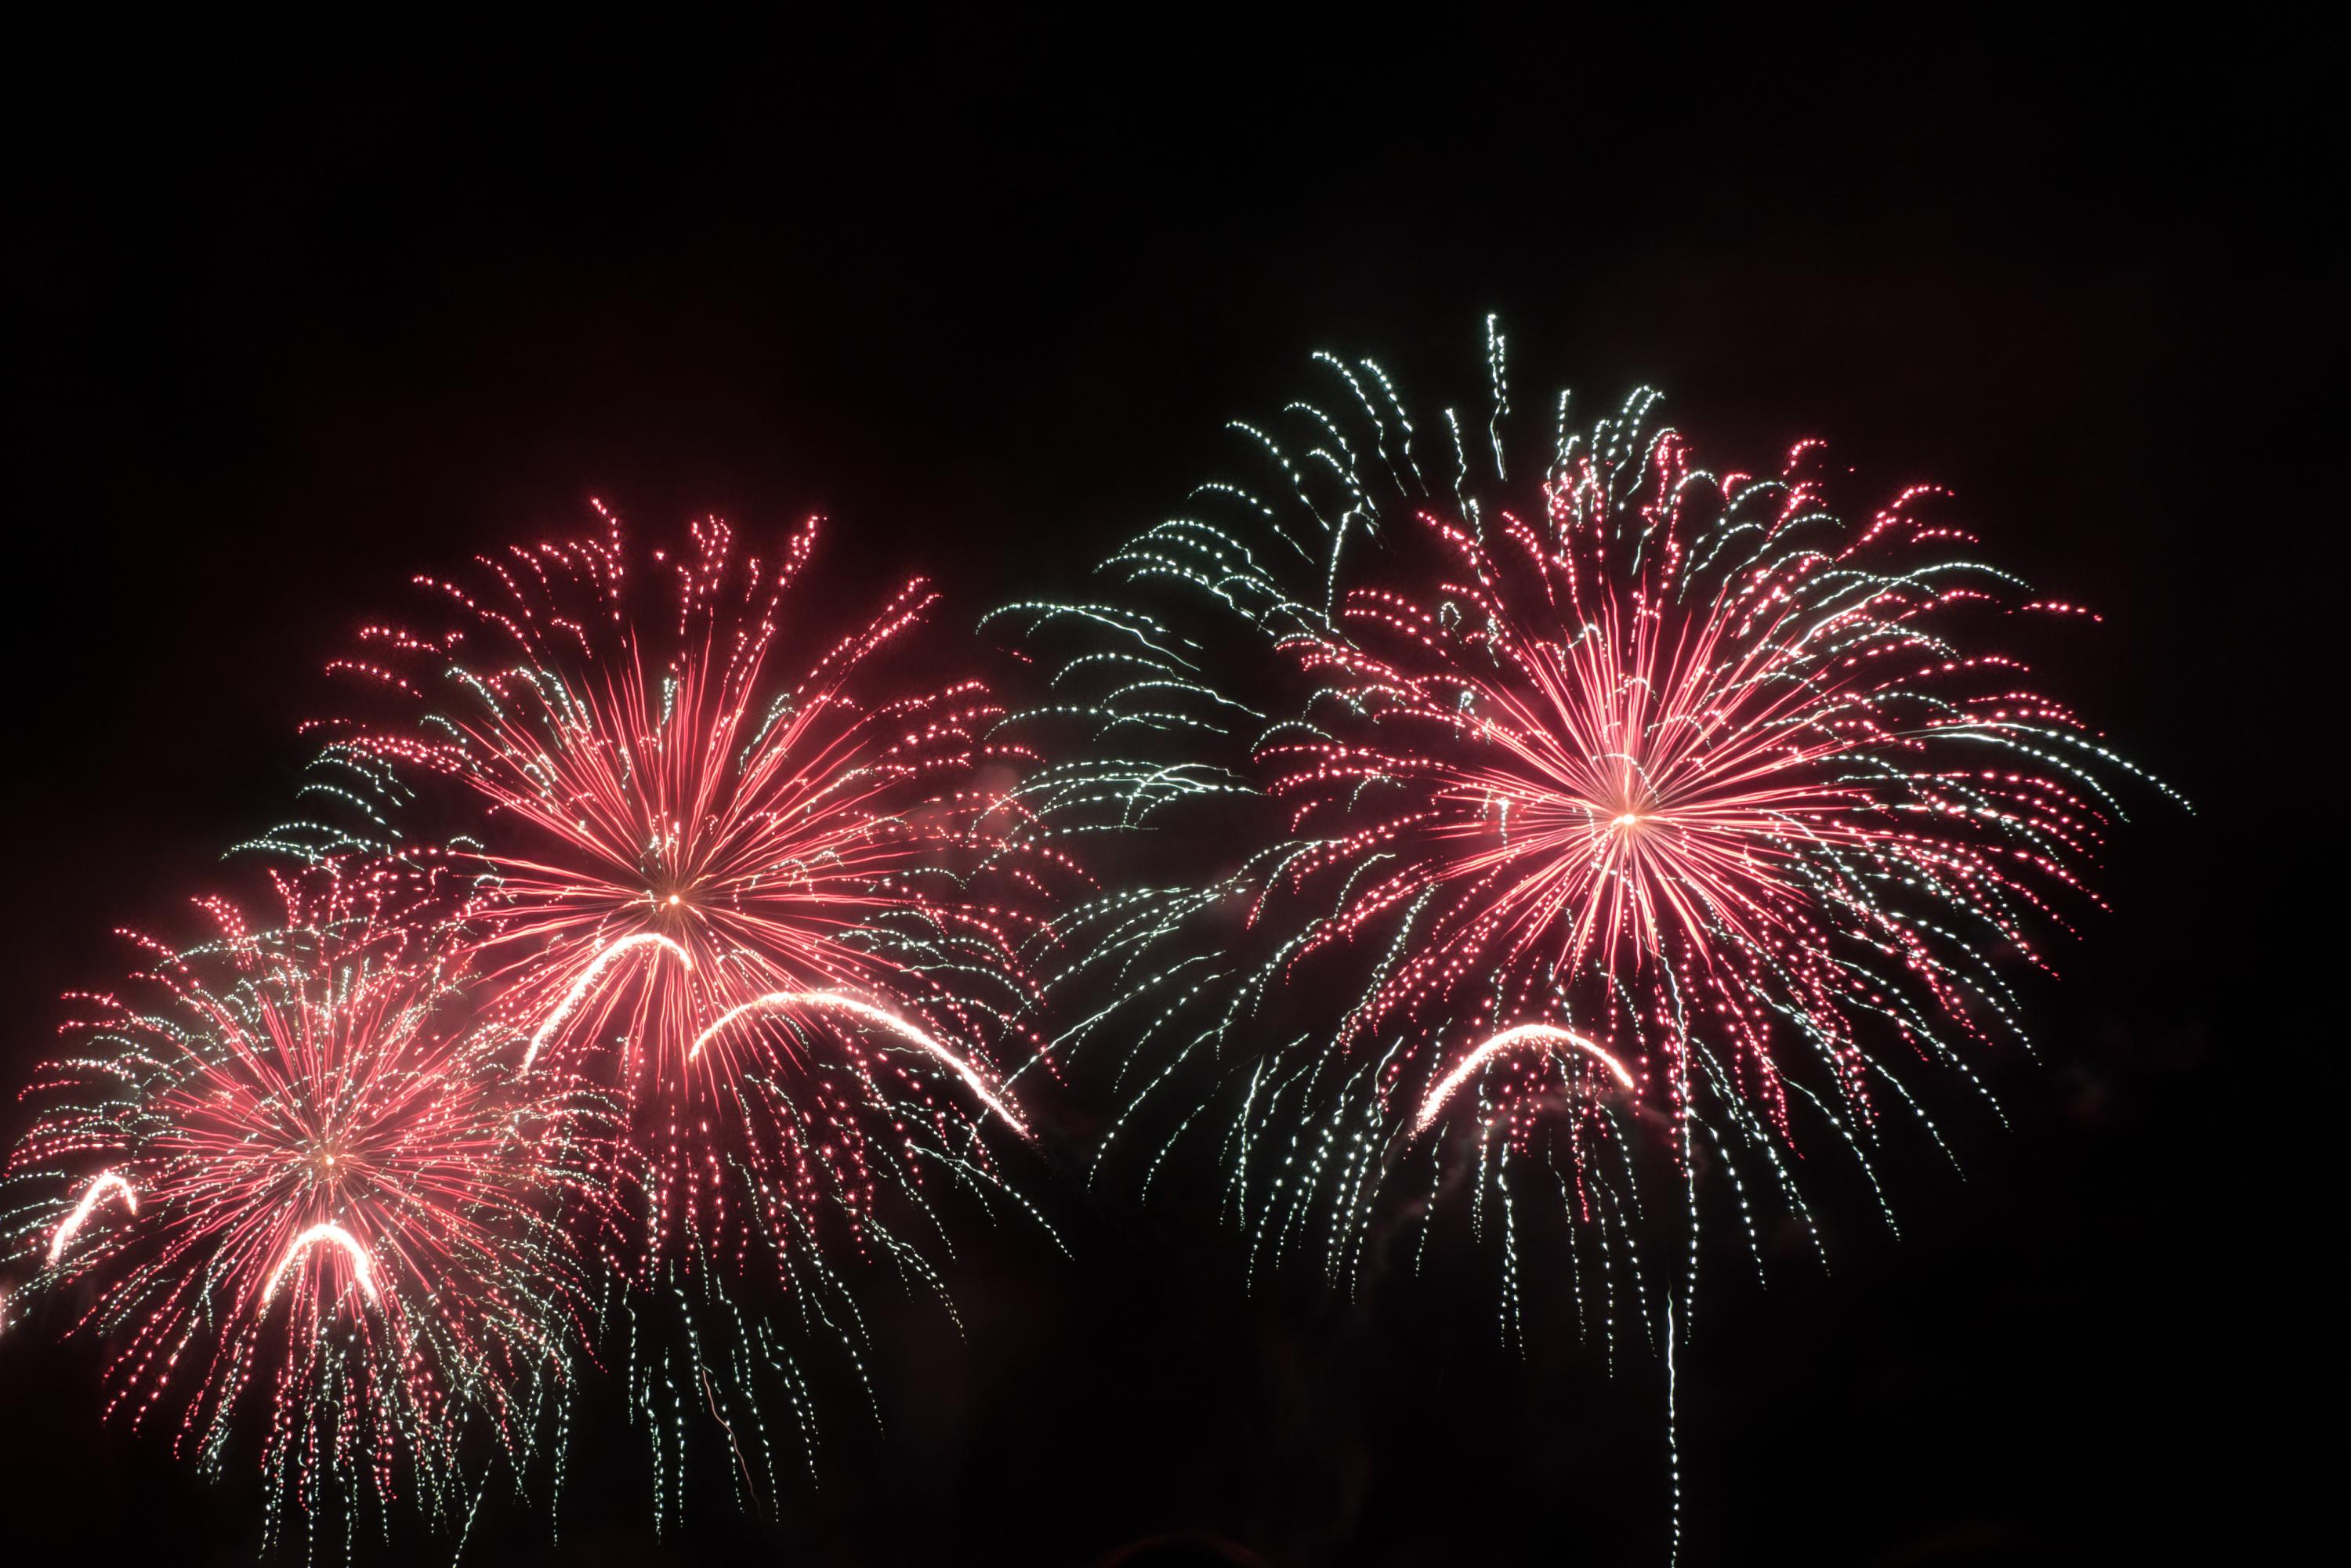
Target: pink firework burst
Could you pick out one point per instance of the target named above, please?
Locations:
(1719, 777)
(283, 1180)
(1613, 799)
(759, 893)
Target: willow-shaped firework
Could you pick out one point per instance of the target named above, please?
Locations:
(1626, 794)
(281, 1187)
(780, 910)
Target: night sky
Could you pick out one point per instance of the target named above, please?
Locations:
(284, 333)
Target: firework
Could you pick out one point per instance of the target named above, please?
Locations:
(779, 909)
(103, 1186)
(1625, 806)
(286, 1192)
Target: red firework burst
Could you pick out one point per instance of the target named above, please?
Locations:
(1696, 774)
(290, 1176)
(754, 892)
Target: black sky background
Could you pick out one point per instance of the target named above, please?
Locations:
(284, 333)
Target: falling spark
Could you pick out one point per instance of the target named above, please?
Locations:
(105, 1182)
(1524, 1034)
(362, 1266)
(824, 1001)
(562, 1009)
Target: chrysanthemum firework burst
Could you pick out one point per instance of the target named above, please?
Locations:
(736, 866)
(1702, 798)
(1632, 794)
(310, 1222)
(695, 863)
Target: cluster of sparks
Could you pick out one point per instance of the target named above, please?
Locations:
(625, 983)
(647, 960)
